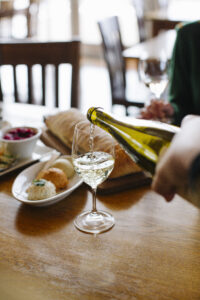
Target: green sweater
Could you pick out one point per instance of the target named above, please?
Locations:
(184, 88)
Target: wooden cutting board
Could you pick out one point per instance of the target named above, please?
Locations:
(114, 185)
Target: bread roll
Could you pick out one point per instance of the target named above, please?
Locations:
(62, 126)
(65, 165)
(56, 176)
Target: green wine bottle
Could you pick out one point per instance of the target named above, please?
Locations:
(143, 140)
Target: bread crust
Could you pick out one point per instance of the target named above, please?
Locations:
(62, 126)
(56, 176)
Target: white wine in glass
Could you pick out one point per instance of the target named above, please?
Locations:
(153, 72)
(93, 162)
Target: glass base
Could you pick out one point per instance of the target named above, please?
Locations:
(94, 222)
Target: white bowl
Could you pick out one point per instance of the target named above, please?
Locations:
(22, 148)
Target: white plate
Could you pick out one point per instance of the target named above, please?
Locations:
(24, 179)
(40, 151)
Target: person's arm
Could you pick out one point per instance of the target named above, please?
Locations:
(180, 93)
(173, 171)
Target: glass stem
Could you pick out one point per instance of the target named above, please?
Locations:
(94, 208)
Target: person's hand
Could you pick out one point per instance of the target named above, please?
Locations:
(158, 110)
(172, 170)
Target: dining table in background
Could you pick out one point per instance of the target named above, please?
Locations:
(168, 17)
(162, 44)
(152, 252)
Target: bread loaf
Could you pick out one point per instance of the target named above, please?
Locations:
(62, 126)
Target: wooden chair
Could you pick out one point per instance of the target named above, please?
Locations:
(139, 10)
(30, 11)
(112, 46)
(31, 53)
(141, 7)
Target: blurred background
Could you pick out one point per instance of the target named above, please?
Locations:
(64, 19)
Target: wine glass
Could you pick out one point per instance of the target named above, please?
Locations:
(93, 161)
(153, 72)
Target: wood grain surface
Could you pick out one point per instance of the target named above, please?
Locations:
(152, 253)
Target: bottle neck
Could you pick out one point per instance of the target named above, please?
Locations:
(117, 129)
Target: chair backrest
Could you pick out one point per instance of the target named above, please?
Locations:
(31, 53)
(112, 46)
(29, 10)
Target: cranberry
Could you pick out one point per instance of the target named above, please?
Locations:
(19, 133)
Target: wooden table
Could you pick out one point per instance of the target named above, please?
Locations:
(153, 251)
(177, 11)
(162, 43)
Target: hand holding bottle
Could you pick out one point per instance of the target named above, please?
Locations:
(146, 141)
(143, 140)
(173, 170)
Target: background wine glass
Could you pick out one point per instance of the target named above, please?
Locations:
(93, 161)
(153, 72)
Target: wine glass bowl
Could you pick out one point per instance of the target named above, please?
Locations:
(93, 161)
(153, 72)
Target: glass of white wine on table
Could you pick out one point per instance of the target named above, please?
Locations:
(93, 161)
(153, 72)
